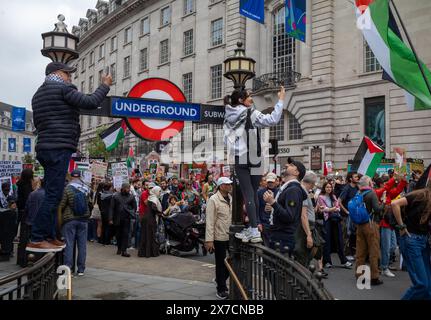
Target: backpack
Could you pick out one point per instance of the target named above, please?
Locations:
(80, 206)
(357, 209)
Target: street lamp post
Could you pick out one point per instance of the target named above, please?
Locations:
(239, 69)
(59, 45)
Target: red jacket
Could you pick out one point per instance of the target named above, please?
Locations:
(142, 206)
(392, 192)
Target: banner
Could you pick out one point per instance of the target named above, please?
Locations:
(18, 119)
(99, 169)
(120, 174)
(296, 18)
(12, 144)
(10, 168)
(253, 9)
(27, 145)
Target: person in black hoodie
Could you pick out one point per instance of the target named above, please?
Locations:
(287, 207)
(104, 204)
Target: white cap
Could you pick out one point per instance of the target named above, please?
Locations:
(223, 180)
(271, 177)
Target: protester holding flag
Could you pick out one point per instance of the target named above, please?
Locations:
(242, 126)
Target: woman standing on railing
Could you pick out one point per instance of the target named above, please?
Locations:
(241, 127)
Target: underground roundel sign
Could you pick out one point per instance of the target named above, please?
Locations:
(150, 129)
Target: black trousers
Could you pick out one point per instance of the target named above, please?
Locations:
(123, 235)
(7, 231)
(222, 273)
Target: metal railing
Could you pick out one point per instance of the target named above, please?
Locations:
(265, 274)
(275, 80)
(36, 282)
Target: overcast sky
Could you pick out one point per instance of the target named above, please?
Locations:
(22, 22)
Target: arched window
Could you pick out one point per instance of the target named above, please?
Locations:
(283, 46)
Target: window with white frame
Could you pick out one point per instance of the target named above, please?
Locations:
(165, 17)
(91, 58)
(283, 46)
(370, 62)
(189, 6)
(128, 35)
(113, 72)
(277, 131)
(145, 26)
(102, 51)
(82, 65)
(216, 81)
(188, 86)
(188, 42)
(113, 44)
(90, 84)
(143, 59)
(187, 142)
(164, 51)
(99, 80)
(126, 67)
(295, 131)
(216, 32)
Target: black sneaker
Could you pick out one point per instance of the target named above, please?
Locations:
(125, 254)
(222, 295)
(376, 282)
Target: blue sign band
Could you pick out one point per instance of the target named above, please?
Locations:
(155, 109)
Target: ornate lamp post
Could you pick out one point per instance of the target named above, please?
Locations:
(239, 69)
(59, 45)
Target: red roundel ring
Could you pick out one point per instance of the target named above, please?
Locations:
(165, 89)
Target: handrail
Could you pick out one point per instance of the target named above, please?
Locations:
(29, 270)
(235, 279)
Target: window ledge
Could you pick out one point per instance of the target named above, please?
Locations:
(144, 35)
(165, 25)
(143, 71)
(188, 15)
(126, 44)
(128, 77)
(91, 65)
(192, 55)
(113, 51)
(215, 2)
(223, 45)
(163, 64)
(100, 59)
(364, 74)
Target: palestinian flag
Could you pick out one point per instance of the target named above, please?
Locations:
(131, 159)
(367, 158)
(381, 32)
(112, 136)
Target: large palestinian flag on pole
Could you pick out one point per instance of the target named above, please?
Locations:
(380, 30)
(367, 158)
(111, 137)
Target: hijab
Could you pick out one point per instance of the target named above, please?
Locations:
(154, 197)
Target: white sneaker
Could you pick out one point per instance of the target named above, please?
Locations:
(253, 237)
(350, 258)
(243, 234)
(328, 265)
(388, 273)
(80, 274)
(347, 265)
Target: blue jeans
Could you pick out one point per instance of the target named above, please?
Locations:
(385, 247)
(55, 164)
(416, 253)
(75, 230)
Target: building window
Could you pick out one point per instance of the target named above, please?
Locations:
(113, 72)
(145, 26)
(90, 84)
(126, 67)
(277, 131)
(295, 132)
(216, 82)
(127, 35)
(91, 58)
(217, 32)
(188, 86)
(283, 46)
(189, 6)
(99, 80)
(83, 86)
(89, 121)
(375, 120)
(188, 43)
(143, 60)
(164, 51)
(370, 62)
(165, 16)
(113, 44)
(82, 65)
(102, 51)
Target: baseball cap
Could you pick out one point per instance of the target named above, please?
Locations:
(56, 66)
(299, 166)
(271, 177)
(223, 180)
(75, 174)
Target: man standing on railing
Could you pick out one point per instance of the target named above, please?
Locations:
(287, 206)
(218, 221)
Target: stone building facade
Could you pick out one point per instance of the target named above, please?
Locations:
(340, 95)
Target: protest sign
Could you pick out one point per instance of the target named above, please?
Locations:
(10, 168)
(99, 169)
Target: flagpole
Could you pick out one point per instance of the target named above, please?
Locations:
(411, 46)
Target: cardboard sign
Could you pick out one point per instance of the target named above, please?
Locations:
(10, 168)
(117, 181)
(99, 169)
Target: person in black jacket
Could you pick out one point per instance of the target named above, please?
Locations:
(56, 107)
(123, 209)
(105, 203)
(287, 206)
